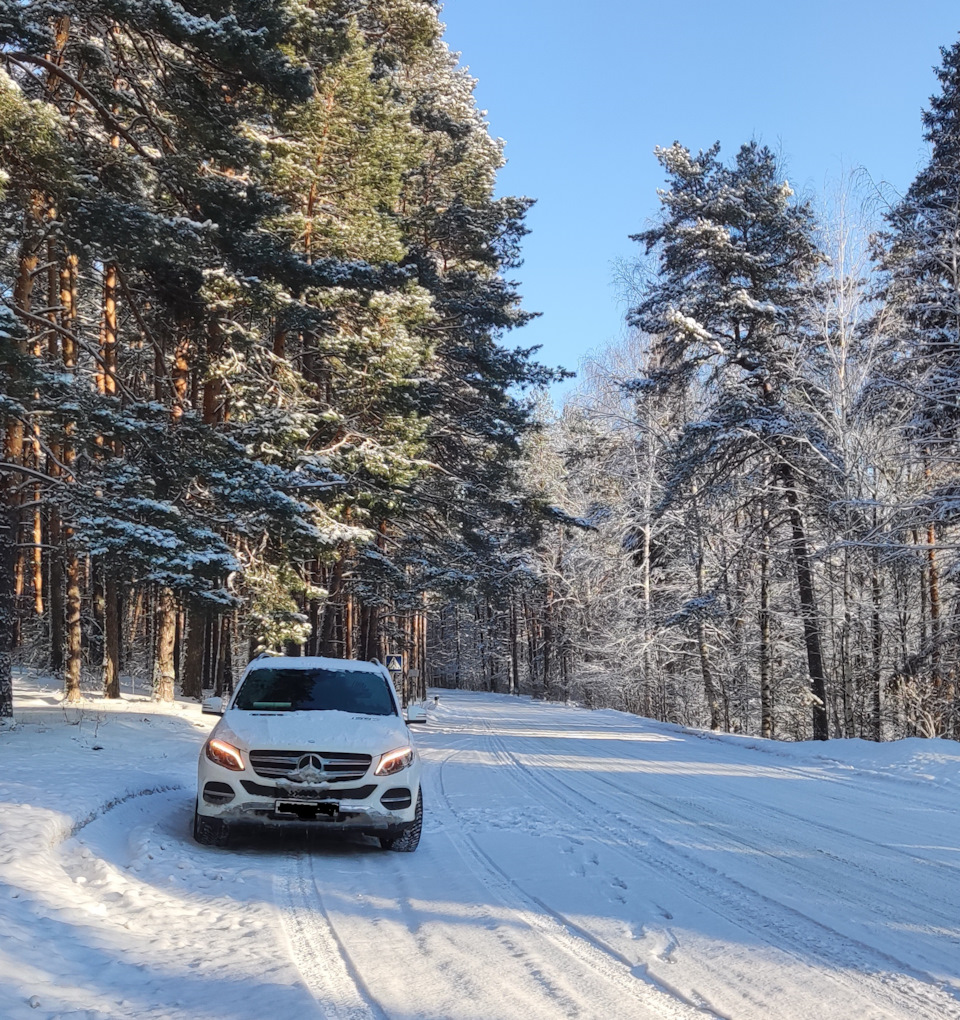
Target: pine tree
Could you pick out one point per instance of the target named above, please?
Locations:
(917, 389)
(736, 256)
(271, 314)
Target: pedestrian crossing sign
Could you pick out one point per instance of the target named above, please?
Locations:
(395, 663)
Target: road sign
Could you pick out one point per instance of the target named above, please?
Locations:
(395, 663)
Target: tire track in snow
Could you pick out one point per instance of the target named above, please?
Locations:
(868, 877)
(913, 993)
(465, 984)
(555, 994)
(447, 958)
(808, 876)
(320, 950)
(808, 822)
(315, 948)
(661, 999)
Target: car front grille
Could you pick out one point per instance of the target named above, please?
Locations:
(338, 767)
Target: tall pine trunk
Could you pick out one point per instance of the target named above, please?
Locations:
(191, 679)
(514, 649)
(547, 643)
(876, 647)
(225, 659)
(74, 645)
(55, 607)
(369, 627)
(766, 656)
(111, 635)
(808, 607)
(703, 649)
(9, 521)
(164, 673)
(74, 660)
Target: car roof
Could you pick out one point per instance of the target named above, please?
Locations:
(314, 662)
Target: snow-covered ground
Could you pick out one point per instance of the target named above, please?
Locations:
(573, 864)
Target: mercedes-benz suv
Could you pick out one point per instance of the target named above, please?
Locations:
(312, 741)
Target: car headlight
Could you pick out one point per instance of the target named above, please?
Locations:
(394, 761)
(222, 753)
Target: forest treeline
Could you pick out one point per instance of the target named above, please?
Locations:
(766, 468)
(257, 392)
(254, 394)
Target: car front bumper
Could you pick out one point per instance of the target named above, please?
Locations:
(377, 805)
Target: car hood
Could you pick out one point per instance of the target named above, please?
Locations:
(325, 731)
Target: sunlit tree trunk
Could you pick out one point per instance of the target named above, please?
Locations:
(808, 607)
(74, 642)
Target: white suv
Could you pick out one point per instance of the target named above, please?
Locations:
(311, 740)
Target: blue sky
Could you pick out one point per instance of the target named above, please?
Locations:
(583, 93)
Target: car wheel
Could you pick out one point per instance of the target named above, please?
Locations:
(209, 831)
(408, 841)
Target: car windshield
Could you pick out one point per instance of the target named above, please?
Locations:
(275, 689)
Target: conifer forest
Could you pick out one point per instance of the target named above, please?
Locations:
(261, 389)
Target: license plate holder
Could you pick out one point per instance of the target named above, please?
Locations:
(308, 808)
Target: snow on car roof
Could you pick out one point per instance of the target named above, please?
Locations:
(313, 662)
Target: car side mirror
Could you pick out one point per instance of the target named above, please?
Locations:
(212, 706)
(416, 714)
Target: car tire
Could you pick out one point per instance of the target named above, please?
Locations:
(209, 831)
(409, 840)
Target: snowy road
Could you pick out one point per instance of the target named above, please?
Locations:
(573, 864)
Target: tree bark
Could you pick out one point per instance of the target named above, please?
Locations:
(74, 646)
(55, 608)
(95, 635)
(808, 607)
(348, 626)
(369, 627)
(74, 635)
(225, 669)
(547, 641)
(331, 613)
(54, 557)
(210, 637)
(163, 673)
(846, 655)
(14, 430)
(111, 636)
(191, 680)
(107, 369)
(766, 682)
(514, 649)
(9, 520)
(876, 647)
(703, 650)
